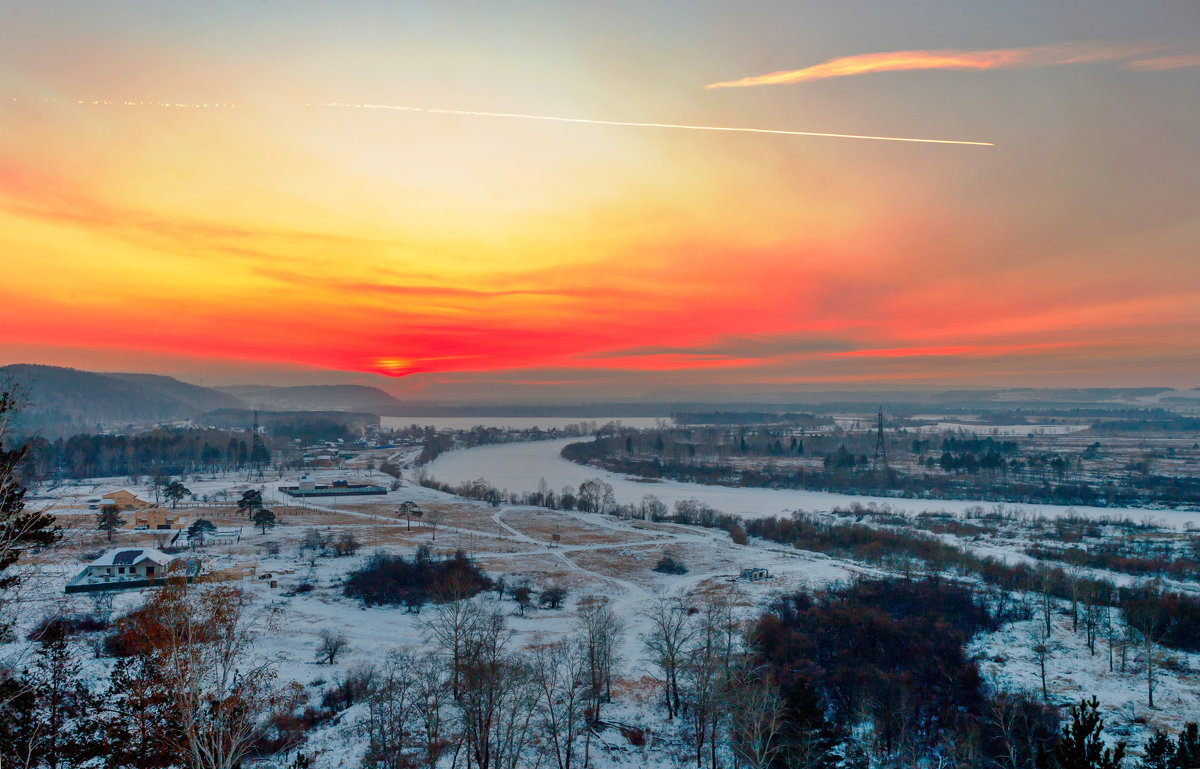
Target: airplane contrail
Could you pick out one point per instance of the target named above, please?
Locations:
(734, 129)
(552, 118)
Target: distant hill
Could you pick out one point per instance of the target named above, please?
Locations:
(199, 399)
(63, 401)
(313, 397)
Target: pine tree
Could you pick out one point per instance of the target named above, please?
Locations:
(1158, 752)
(251, 500)
(175, 492)
(109, 520)
(20, 529)
(1187, 750)
(1082, 744)
(142, 727)
(264, 518)
(53, 721)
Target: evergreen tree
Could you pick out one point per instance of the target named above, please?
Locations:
(109, 520)
(1158, 752)
(1082, 743)
(175, 492)
(251, 500)
(141, 727)
(264, 518)
(1187, 750)
(53, 722)
(259, 454)
(20, 529)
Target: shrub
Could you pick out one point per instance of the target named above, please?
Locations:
(345, 545)
(66, 625)
(395, 580)
(668, 565)
(636, 736)
(348, 689)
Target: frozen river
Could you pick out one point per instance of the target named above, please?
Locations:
(517, 423)
(520, 466)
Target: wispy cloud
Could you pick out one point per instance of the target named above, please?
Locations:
(946, 58)
(1161, 63)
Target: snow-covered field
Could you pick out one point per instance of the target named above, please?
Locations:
(595, 555)
(521, 466)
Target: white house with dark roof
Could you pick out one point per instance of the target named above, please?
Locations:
(132, 568)
(127, 564)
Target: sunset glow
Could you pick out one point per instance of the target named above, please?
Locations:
(191, 192)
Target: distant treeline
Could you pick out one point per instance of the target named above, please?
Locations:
(308, 426)
(968, 467)
(749, 418)
(176, 451)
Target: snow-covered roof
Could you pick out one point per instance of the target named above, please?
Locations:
(132, 557)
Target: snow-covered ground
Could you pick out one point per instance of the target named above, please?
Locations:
(520, 466)
(595, 555)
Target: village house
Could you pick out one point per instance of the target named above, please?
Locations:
(157, 518)
(125, 500)
(124, 565)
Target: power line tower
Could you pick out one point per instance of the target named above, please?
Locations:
(880, 459)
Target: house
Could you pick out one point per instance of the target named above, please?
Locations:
(126, 568)
(157, 518)
(125, 500)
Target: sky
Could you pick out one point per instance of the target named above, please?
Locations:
(211, 191)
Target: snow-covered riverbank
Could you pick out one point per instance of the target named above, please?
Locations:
(520, 467)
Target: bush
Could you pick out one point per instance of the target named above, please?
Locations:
(668, 565)
(300, 589)
(738, 535)
(66, 625)
(348, 689)
(345, 545)
(636, 736)
(394, 580)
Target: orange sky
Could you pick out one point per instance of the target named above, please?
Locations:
(272, 240)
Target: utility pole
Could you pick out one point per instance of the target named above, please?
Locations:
(880, 459)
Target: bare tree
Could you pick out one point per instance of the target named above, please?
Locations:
(330, 645)
(1144, 616)
(497, 700)
(666, 642)
(706, 669)
(390, 707)
(757, 722)
(433, 684)
(560, 678)
(1041, 646)
(600, 631)
(434, 518)
(451, 622)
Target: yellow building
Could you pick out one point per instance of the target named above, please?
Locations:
(125, 500)
(156, 518)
